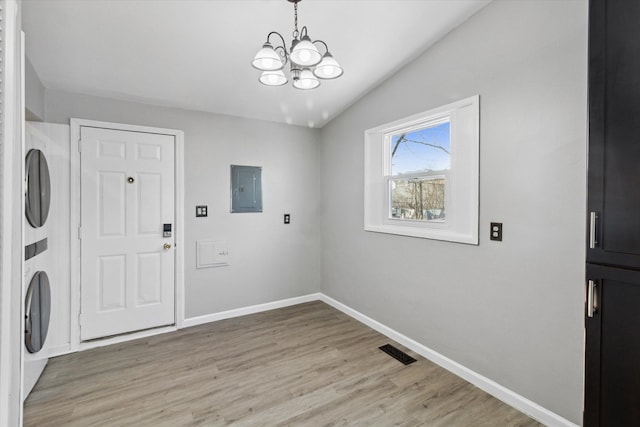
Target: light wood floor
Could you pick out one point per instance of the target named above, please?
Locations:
(304, 365)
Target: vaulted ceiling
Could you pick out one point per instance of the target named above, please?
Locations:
(196, 54)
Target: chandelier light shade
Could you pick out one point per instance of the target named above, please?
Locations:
(273, 78)
(306, 62)
(307, 80)
(267, 59)
(328, 68)
(305, 53)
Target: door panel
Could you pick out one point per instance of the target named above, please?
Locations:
(114, 149)
(149, 204)
(149, 279)
(111, 280)
(148, 152)
(111, 203)
(614, 131)
(247, 182)
(127, 194)
(612, 380)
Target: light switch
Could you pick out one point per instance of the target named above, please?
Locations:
(201, 210)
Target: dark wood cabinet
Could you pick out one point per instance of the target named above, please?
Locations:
(612, 314)
(614, 133)
(612, 383)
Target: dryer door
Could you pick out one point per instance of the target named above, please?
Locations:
(38, 310)
(38, 195)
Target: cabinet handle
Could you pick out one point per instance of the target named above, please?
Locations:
(593, 219)
(591, 298)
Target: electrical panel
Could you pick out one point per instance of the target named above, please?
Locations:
(246, 189)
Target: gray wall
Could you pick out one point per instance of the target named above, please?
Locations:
(34, 93)
(511, 310)
(268, 260)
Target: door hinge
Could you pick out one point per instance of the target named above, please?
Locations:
(79, 146)
(80, 319)
(79, 233)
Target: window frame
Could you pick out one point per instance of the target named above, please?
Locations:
(462, 181)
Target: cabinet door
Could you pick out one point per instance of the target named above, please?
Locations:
(614, 133)
(612, 363)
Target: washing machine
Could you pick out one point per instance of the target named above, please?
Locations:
(37, 260)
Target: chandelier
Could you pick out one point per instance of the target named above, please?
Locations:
(306, 64)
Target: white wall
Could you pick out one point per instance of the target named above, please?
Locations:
(510, 310)
(269, 261)
(34, 93)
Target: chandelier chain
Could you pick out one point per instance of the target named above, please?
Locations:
(295, 23)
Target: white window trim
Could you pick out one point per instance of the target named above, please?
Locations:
(461, 223)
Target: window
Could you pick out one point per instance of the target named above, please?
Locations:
(420, 164)
(421, 174)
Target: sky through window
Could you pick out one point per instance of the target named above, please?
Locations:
(426, 149)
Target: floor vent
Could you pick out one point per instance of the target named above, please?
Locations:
(399, 355)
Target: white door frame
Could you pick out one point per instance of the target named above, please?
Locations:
(11, 204)
(76, 344)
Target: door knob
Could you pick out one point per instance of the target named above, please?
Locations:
(167, 246)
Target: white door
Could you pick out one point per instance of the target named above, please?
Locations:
(127, 266)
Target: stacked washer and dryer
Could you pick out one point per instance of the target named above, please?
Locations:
(46, 268)
(37, 262)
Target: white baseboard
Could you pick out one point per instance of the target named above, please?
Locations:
(58, 350)
(199, 320)
(498, 391)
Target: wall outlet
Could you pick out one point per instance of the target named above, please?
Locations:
(496, 231)
(287, 218)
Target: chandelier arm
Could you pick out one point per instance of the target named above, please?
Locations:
(279, 35)
(283, 54)
(326, 48)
